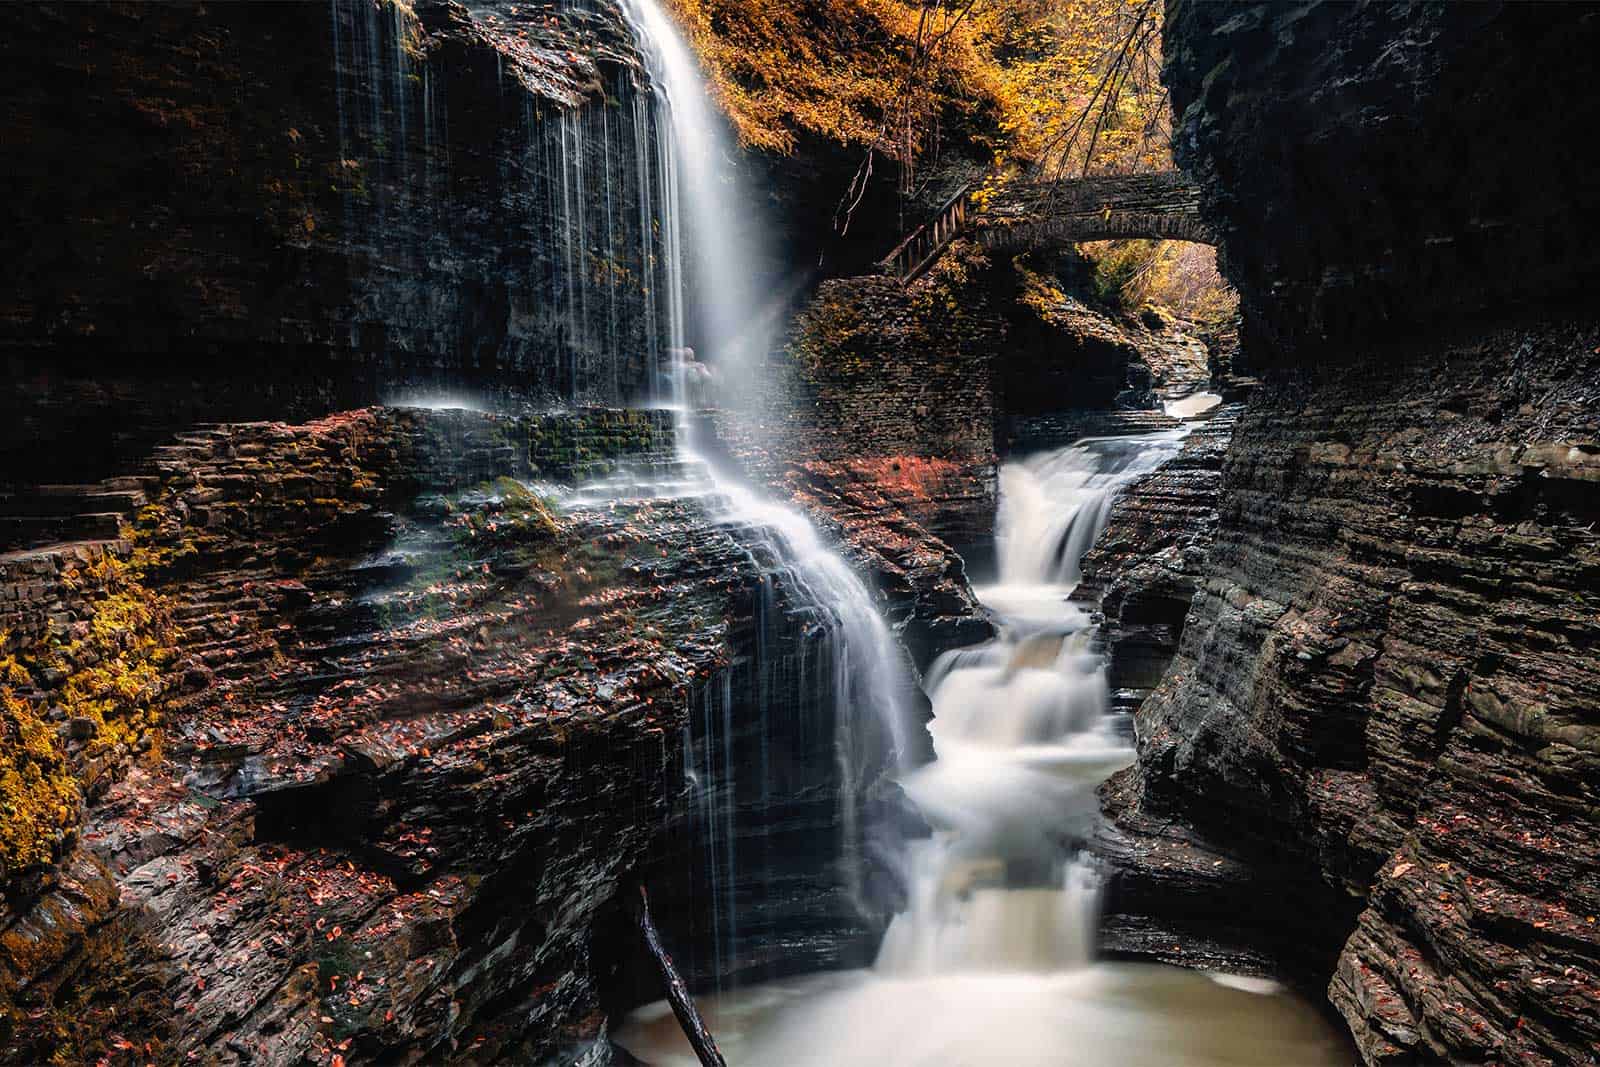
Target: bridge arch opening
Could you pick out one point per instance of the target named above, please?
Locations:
(1109, 337)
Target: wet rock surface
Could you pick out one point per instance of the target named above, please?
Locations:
(1370, 764)
(1069, 362)
(1145, 568)
(292, 209)
(894, 517)
(1382, 693)
(419, 725)
(1384, 167)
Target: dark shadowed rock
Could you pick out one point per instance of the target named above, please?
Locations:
(1376, 166)
(1372, 763)
(277, 210)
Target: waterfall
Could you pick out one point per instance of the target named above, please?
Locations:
(569, 307)
(709, 255)
(730, 314)
(1054, 505)
(1022, 737)
(991, 963)
(991, 960)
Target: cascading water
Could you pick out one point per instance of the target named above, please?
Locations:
(1055, 504)
(1022, 737)
(852, 657)
(991, 963)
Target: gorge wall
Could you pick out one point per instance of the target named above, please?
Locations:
(298, 795)
(1377, 745)
(239, 211)
(349, 745)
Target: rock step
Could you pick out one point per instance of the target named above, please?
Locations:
(25, 530)
(1059, 429)
(90, 499)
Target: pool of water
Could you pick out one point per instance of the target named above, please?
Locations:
(1102, 1015)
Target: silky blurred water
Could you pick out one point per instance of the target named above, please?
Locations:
(992, 960)
(1105, 1015)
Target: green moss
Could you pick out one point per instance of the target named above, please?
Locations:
(512, 513)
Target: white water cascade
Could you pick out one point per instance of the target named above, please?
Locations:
(716, 237)
(992, 962)
(696, 187)
(1022, 737)
(707, 248)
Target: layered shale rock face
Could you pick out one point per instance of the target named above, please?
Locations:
(279, 210)
(347, 744)
(1062, 352)
(1376, 754)
(351, 737)
(892, 516)
(1147, 565)
(1380, 166)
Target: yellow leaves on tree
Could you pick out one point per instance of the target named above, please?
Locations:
(889, 74)
(1180, 277)
(1081, 83)
(829, 67)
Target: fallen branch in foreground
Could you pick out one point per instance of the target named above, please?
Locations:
(694, 1028)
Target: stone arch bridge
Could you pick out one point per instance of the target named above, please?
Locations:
(1024, 216)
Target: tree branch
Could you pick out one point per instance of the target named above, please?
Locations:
(694, 1028)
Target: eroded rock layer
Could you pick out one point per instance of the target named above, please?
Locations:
(261, 210)
(1387, 675)
(1377, 166)
(1145, 567)
(389, 732)
(1373, 763)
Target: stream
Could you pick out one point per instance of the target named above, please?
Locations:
(993, 962)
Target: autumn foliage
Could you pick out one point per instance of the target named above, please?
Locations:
(1058, 83)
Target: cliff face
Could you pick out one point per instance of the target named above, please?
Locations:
(328, 737)
(1381, 167)
(1375, 754)
(355, 737)
(1146, 566)
(359, 812)
(250, 210)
